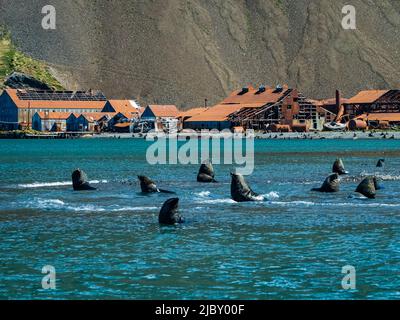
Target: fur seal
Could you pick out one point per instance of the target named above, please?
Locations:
(380, 163)
(331, 184)
(367, 187)
(169, 213)
(377, 185)
(240, 190)
(79, 181)
(149, 186)
(206, 173)
(338, 167)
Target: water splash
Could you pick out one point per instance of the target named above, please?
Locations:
(55, 184)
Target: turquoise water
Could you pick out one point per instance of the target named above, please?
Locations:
(108, 244)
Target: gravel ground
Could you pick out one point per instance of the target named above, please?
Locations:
(286, 136)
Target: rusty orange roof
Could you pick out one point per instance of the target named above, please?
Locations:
(331, 101)
(53, 104)
(192, 112)
(395, 116)
(95, 116)
(164, 110)
(54, 115)
(253, 105)
(220, 112)
(255, 97)
(367, 96)
(236, 101)
(125, 107)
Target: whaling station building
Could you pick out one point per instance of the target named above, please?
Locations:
(63, 110)
(264, 108)
(161, 117)
(378, 109)
(19, 106)
(284, 109)
(278, 109)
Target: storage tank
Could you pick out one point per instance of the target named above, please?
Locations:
(357, 124)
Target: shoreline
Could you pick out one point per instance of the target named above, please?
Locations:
(395, 135)
(324, 135)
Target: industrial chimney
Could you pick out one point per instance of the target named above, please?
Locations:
(338, 101)
(339, 107)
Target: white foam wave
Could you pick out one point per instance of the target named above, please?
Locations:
(388, 177)
(343, 204)
(203, 194)
(271, 196)
(213, 201)
(57, 204)
(95, 208)
(260, 198)
(50, 203)
(55, 184)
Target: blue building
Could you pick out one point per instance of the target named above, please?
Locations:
(17, 106)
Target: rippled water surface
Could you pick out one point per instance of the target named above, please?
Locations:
(108, 244)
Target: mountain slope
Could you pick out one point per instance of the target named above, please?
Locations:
(12, 60)
(183, 51)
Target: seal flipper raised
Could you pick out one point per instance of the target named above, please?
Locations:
(331, 184)
(367, 187)
(240, 190)
(169, 213)
(381, 163)
(79, 181)
(206, 173)
(338, 167)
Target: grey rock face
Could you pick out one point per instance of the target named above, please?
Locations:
(19, 80)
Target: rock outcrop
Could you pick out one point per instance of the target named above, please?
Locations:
(19, 80)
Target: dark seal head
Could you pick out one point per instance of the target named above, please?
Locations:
(380, 163)
(240, 190)
(147, 185)
(367, 187)
(169, 213)
(79, 181)
(206, 173)
(338, 167)
(331, 184)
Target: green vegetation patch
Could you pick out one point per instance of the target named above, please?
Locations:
(13, 60)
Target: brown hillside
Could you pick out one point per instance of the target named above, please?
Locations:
(182, 51)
